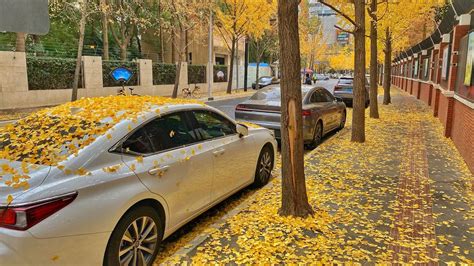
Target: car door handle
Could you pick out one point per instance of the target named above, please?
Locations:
(218, 152)
(158, 170)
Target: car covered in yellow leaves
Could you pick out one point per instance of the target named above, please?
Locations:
(105, 180)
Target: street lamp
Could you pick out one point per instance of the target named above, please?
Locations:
(210, 62)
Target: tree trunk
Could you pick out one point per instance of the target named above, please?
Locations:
(181, 58)
(294, 199)
(77, 71)
(358, 103)
(374, 109)
(231, 67)
(123, 52)
(20, 42)
(256, 74)
(105, 31)
(387, 67)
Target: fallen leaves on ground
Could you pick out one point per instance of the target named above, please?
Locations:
(361, 202)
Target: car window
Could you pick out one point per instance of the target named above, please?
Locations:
(138, 142)
(273, 94)
(345, 81)
(328, 95)
(161, 134)
(265, 79)
(318, 97)
(211, 125)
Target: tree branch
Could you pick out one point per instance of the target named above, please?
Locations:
(339, 12)
(344, 30)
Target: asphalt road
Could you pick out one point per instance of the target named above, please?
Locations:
(228, 106)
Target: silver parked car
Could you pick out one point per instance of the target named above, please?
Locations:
(344, 90)
(322, 112)
(109, 178)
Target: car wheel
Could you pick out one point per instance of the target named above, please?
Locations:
(317, 136)
(343, 120)
(264, 167)
(136, 238)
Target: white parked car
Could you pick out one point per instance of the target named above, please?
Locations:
(114, 199)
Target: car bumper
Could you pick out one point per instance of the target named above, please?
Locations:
(21, 248)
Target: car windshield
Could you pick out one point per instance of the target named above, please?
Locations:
(273, 94)
(265, 79)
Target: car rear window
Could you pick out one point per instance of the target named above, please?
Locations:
(343, 89)
(274, 94)
(346, 81)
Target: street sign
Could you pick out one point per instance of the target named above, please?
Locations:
(27, 16)
(121, 74)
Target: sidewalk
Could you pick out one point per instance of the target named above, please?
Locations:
(404, 196)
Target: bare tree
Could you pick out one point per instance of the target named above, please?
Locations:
(105, 29)
(294, 199)
(80, 45)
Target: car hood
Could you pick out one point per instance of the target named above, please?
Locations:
(36, 175)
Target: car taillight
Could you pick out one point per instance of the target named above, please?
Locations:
(241, 107)
(23, 217)
(306, 112)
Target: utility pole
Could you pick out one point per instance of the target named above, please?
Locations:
(237, 66)
(246, 69)
(210, 72)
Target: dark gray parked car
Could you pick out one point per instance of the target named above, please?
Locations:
(322, 112)
(344, 90)
(265, 81)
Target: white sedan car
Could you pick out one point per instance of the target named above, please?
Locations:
(110, 197)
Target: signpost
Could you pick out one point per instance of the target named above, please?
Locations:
(122, 75)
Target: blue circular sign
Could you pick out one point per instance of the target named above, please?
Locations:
(121, 74)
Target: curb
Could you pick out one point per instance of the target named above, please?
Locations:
(183, 253)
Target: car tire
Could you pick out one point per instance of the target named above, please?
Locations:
(264, 168)
(144, 220)
(317, 136)
(343, 120)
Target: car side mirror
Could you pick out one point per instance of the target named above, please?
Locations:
(243, 130)
(338, 99)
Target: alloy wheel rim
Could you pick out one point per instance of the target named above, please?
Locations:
(265, 166)
(317, 136)
(138, 242)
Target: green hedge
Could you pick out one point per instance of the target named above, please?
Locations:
(163, 73)
(109, 66)
(196, 74)
(218, 68)
(45, 73)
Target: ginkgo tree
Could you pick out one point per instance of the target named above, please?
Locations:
(354, 16)
(402, 17)
(236, 19)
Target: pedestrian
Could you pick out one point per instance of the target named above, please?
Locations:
(314, 78)
(308, 80)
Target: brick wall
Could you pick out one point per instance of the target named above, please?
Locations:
(425, 92)
(462, 131)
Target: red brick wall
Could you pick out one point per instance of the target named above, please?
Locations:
(425, 93)
(462, 132)
(435, 101)
(443, 109)
(414, 88)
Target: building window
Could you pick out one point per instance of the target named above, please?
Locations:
(220, 60)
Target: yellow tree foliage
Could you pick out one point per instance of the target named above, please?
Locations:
(239, 18)
(403, 18)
